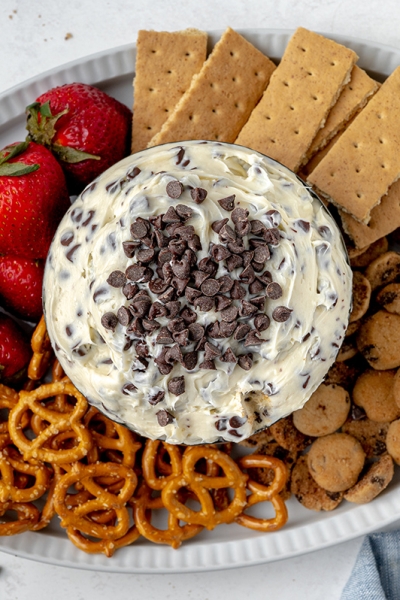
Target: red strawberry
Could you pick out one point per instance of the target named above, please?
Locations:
(33, 198)
(15, 349)
(86, 129)
(21, 281)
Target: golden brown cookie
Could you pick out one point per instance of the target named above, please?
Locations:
(373, 483)
(258, 439)
(393, 441)
(373, 391)
(389, 298)
(368, 254)
(308, 492)
(396, 388)
(370, 434)
(347, 350)
(288, 436)
(343, 373)
(325, 411)
(361, 296)
(378, 340)
(383, 270)
(335, 461)
(353, 328)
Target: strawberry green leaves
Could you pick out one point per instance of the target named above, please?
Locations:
(16, 168)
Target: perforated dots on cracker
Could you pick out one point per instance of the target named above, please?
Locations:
(304, 87)
(165, 65)
(222, 96)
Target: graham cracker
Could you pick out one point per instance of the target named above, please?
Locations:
(301, 92)
(365, 161)
(316, 159)
(222, 96)
(385, 218)
(165, 65)
(352, 99)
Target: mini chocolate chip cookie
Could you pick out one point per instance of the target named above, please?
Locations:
(361, 296)
(389, 298)
(288, 436)
(373, 391)
(393, 441)
(343, 373)
(360, 260)
(307, 490)
(347, 350)
(373, 483)
(378, 340)
(324, 412)
(335, 461)
(258, 439)
(370, 434)
(383, 270)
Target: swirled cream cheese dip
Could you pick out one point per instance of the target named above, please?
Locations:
(197, 292)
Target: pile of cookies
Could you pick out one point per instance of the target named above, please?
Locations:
(325, 118)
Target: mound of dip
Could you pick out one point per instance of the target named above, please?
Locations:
(197, 292)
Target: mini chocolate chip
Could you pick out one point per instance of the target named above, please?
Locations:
(196, 331)
(213, 331)
(190, 360)
(199, 277)
(204, 303)
(247, 309)
(256, 226)
(157, 310)
(194, 243)
(207, 364)
(239, 214)
(225, 283)
(116, 279)
(179, 284)
(236, 247)
(173, 355)
(258, 301)
(156, 398)
(258, 267)
(272, 236)
(210, 287)
(158, 286)
(171, 228)
(174, 189)
(164, 337)
(247, 258)
(236, 421)
(150, 241)
(182, 337)
(186, 232)
(164, 256)
(176, 385)
(140, 308)
(188, 315)
(136, 327)
(304, 225)
(164, 418)
(237, 292)
(139, 229)
(145, 256)
(252, 339)
(135, 272)
(241, 331)
(220, 425)
(242, 228)
(207, 265)
(124, 316)
(261, 254)
(211, 351)
(198, 194)
(168, 295)
(156, 221)
(219, 252)
(128, 343)
(234, 433)
(191, 294)
(222, 302)
(200, 344)
(281, 314)
(226, 329)
(171, 216)
(228, 356)
(180, 268)
(185, 212)
(190, 256)
(162, 240)
(246, 361)
(109, 321)
(247, 275)
(128, 387)
(226, 234)
(233, 262)
(229, 314)
(167, 272)
(265, 278)
(150, 326)
(261, 322)
(273, 290)
(129, 248)
(256, 287)
(142, 349)
(218, 225)
(67, 238)
(227, 203)
(173, 308)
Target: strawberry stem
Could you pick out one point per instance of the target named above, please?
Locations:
(8, 169)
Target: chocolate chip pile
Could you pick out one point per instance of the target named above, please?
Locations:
(166, 250)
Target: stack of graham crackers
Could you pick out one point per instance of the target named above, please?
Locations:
(316, 112)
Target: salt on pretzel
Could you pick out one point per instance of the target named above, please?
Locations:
(57, 422)
(262, 493)
(153, 450)
(27, 516)
(200, 484)
(12, 464)
(42, 352)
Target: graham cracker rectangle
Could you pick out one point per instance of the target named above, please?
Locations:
(365, 161)
(222, 96)
(352, 99)
(301, 92)
(385, 218)
(165, 65)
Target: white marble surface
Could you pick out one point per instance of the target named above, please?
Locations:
(33, 38)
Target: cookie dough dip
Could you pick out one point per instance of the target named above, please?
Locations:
(197, 292)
